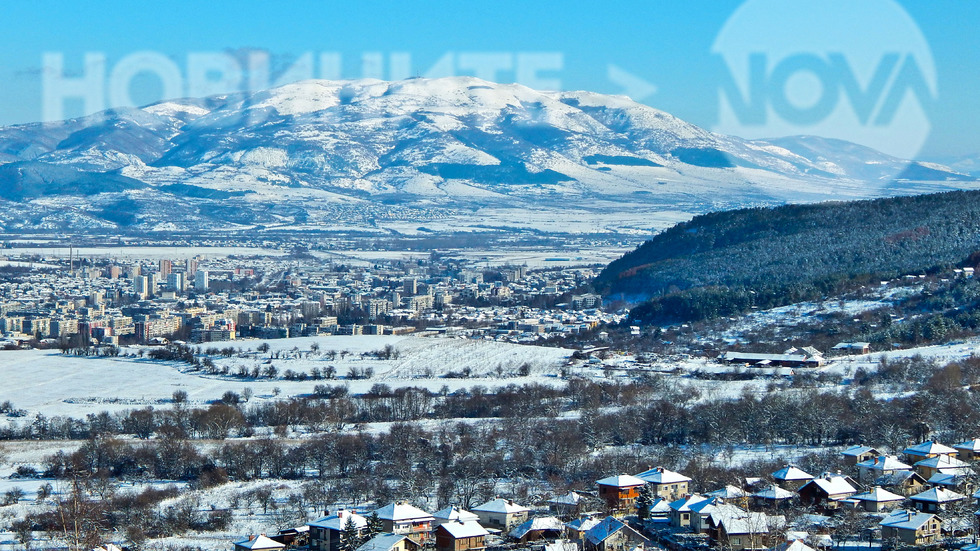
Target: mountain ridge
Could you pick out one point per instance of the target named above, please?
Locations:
(439, 145)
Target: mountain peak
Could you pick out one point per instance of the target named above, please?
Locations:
(437, 143)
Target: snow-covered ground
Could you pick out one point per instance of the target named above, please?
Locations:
(45, 381)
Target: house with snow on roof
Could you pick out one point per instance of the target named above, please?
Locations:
(402, 518)
(451, 514)
(612, 534)
(925, 450)
(910, 528)
(772, 497)
(258, 543)
(945, 464)
(578, 527)
(665, 483)
(390, 542)
(325, 532)
(791, 477)
(538, 528)
(794, 545)
(748, 531)
(856, 454)
(870, 470)
(968, 451)
(935, 500)
(878, 499)
(710, 516)
(852, 347)
(502, 514)
(681, 511)
(460, 536)
(827, 490)
(906, 483)
(620, 492)
(568, 505)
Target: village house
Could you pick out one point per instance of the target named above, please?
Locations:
(390, 542)
(969, 450)
(910, 528)
(620, 493)
(325, 532)
(877, 499)
(925, 450)
(538, 528)
(612, 534)
(870, 470)
(730, 494)
(681, 512)
(794, 545)
(578, 527)
(748, 531)
(258, 543)
(935, 500)
(906, 483)
(856, 454)
(853, 347)
(791, 478)
(566, 506)
(402, 518)
(709, 517)
(665, 483)
(772, 497)
(945, 464)
(453, 514)
(961, 482)
(827, 490)
(460, 536)
(502, 514)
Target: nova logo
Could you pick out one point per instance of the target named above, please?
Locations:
(857, 71)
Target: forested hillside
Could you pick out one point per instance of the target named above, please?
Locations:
(727, 262)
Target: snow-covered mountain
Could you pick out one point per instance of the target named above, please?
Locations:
(366, 152)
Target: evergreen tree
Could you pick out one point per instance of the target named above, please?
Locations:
(350, 537)
(374, 525)
(643, 502)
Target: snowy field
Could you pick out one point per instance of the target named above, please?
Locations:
(48, 382)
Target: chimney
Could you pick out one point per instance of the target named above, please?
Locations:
(251, 537)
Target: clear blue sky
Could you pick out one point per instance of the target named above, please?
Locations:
(666, 44)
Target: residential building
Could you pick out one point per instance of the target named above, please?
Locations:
(666, 483)
(502, 514)
(402, 518)
(620, 493)
(460, 536)
(910, 528)
(325, 532)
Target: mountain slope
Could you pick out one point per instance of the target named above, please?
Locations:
(435, 146)
(720, 263)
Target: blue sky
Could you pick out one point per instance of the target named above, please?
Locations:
(661, 51)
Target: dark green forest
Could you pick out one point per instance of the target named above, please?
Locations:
(725, 263)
